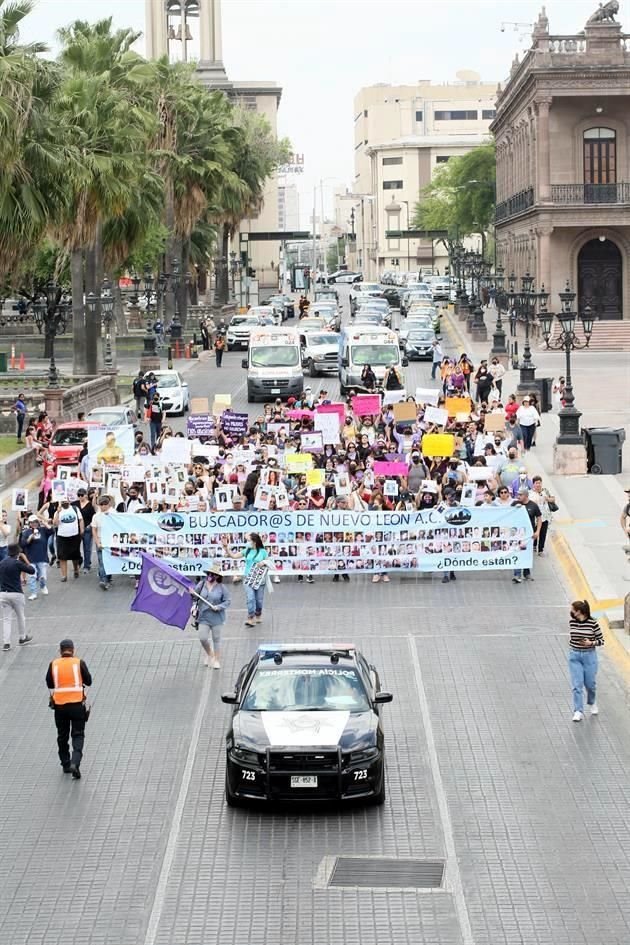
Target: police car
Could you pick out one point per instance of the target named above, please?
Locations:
(306, 726)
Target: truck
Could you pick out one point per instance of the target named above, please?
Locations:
(274, 364)
(367, 344)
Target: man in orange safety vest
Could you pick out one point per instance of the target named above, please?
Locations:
(67, 678)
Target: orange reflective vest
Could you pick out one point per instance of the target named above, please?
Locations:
(66, 673)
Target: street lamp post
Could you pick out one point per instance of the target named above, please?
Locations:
(107, 314)
(175, 328)
(149, 360)
(51, 314)
(568, 341)
(499, 347)
(479, 330)
(525, 303)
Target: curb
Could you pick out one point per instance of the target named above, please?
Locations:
(579, 586)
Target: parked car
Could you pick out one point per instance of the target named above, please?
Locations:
(240, 327)
(173, 392)
(345, 277)
(67, 441)
(118, 416)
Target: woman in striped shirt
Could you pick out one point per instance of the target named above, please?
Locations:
(584, 636)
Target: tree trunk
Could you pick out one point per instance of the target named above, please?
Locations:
(78, 313)
(221, 272)
(170, 252)
(93, 283)
(184, 289)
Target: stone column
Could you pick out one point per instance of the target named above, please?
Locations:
(544, 257)
(155, 20)
(544, 152)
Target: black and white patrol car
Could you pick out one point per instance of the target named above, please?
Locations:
(306, 726)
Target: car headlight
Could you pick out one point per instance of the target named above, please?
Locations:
(367, 754)
(244, 756)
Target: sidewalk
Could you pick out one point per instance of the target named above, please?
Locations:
(586, 536)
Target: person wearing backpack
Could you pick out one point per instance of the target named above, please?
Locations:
(139, 393)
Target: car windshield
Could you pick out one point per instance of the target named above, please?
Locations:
(380, 355)
(327, 339)
(370, 287)
(426, 336)
(274, 356)
(304, 688)
(167, 380)
(107, 417)
(73, 436)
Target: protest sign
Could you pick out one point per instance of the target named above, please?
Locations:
(236, 424)
(312, 442)
(427, 395)
(299, 462)
(469, 494)
(390, 469)
(429, 485)
(483, 538)
(58, 490)
(405, 411)
(275, 428)
(328, 424)
(494, 423)
(200, 424)
(175, 449)
(338, 409)
(438, 444)
(456, 405)
(19, 500)
(436, 415)
(393, 396)
(299, 414)
(462, 417)
(480, 473)
(390, 487)
(135, 473)
(199, 405)
(111, 445)
(364, 405)
(315, 478)
(343, 485)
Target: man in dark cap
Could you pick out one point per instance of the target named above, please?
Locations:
(67, 678)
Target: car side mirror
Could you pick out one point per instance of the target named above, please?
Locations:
(231, 698)
(244, 363)
(344, 362)
(405, 361)
(382, 697)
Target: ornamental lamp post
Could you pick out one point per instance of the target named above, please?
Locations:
(107, 314)
(51, 314)
(149, 360)
(499, 347)
(175, 328)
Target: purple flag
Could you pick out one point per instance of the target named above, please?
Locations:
(163, 592)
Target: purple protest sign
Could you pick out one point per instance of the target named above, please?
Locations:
(236, 424)
(200, 424)
(163, 593)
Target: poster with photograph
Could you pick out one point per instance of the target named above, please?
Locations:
(313, 442)
(469, 494)
(390, 487)
(58, 490)
(111, 445)
(328, 425)
(224, 497)
(19, 500)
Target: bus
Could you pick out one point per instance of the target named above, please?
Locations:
(274, 364)
(367, 344)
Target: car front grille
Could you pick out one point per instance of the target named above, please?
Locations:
(309, 762)
(275, 384)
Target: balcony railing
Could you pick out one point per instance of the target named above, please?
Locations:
(576, 195)
(514, 205)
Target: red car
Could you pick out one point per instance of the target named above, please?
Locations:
(67, 441)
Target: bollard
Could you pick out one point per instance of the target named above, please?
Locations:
(22, 365)
(169, 358)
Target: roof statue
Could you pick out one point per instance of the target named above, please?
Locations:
(605, 13)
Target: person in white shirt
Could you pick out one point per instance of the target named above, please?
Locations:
(437, 358)
(498, 373)
(528, 418)
(5, 531)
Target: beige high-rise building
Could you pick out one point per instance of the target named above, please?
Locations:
(190, 31)
(402, 134)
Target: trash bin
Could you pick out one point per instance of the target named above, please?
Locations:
(3, 362)
(604, 449)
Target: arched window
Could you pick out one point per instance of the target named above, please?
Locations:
(600, 158)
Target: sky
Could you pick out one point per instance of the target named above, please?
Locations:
(321, 52)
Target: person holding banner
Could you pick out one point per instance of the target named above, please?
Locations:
(256, 565)
(212, 603)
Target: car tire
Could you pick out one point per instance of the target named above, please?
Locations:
(250, 398)
(379, 799)
(311, 368)
(230, 347)
(230, 799)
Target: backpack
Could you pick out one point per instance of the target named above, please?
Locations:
(138, 387)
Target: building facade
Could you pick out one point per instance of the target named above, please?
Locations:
(190, 31)
(402, 134)
(562, 133)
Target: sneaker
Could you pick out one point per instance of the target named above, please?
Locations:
(32, 596)
(386, 578)
(516, 580)
(76, 575)
(66, 768)
(7, 646)
(75, 772)
(206, 660)
(310, 579)
(376, 578)
(250, 623)
(276, 579)
(258, 619)
(346, 577)
(25, 640)
(445, 579)
(300, 578)
(336, 578)
(45, 591)
(453, 576)
(594, 709)
(104, 585)
(528, 577)
(578, 716)
(216, 665)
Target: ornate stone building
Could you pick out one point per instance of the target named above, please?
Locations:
(562, 133)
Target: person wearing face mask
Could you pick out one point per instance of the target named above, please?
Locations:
(254, 554)
(522, 481)
(510, 468)
(69, 525)
(211, 613)
(417, 473)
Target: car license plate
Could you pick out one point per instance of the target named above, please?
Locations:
(275, 390)
(299, 780)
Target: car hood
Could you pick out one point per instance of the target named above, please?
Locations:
(260, 730)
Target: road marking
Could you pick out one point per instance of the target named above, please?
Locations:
(453, 873)
(173, 834)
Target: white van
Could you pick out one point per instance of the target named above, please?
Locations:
(367, 344)
(274, 364)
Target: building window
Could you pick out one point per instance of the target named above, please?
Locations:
(442, 158)
(600, 157)
(392, 185)
(488, 113)
(456, 116)
(388, 162)
(418, 116)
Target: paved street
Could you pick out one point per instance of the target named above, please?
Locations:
(485, 771)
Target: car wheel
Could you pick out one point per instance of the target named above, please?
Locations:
(250, 398)
(311, 368)
(230, 799)
(378, 799)
(230, 347)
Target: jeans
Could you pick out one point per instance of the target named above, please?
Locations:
(528, 434)
(583, 673)
(71, 715)
(218, 356)
(140, 408)
(86, 543)
(12, 602)
(39, 578)
(539, 543)
(524, 573)
(254, 600)
(4, 551)
(434, 369)
(19, 421)
(155, 429)
(103, 576)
